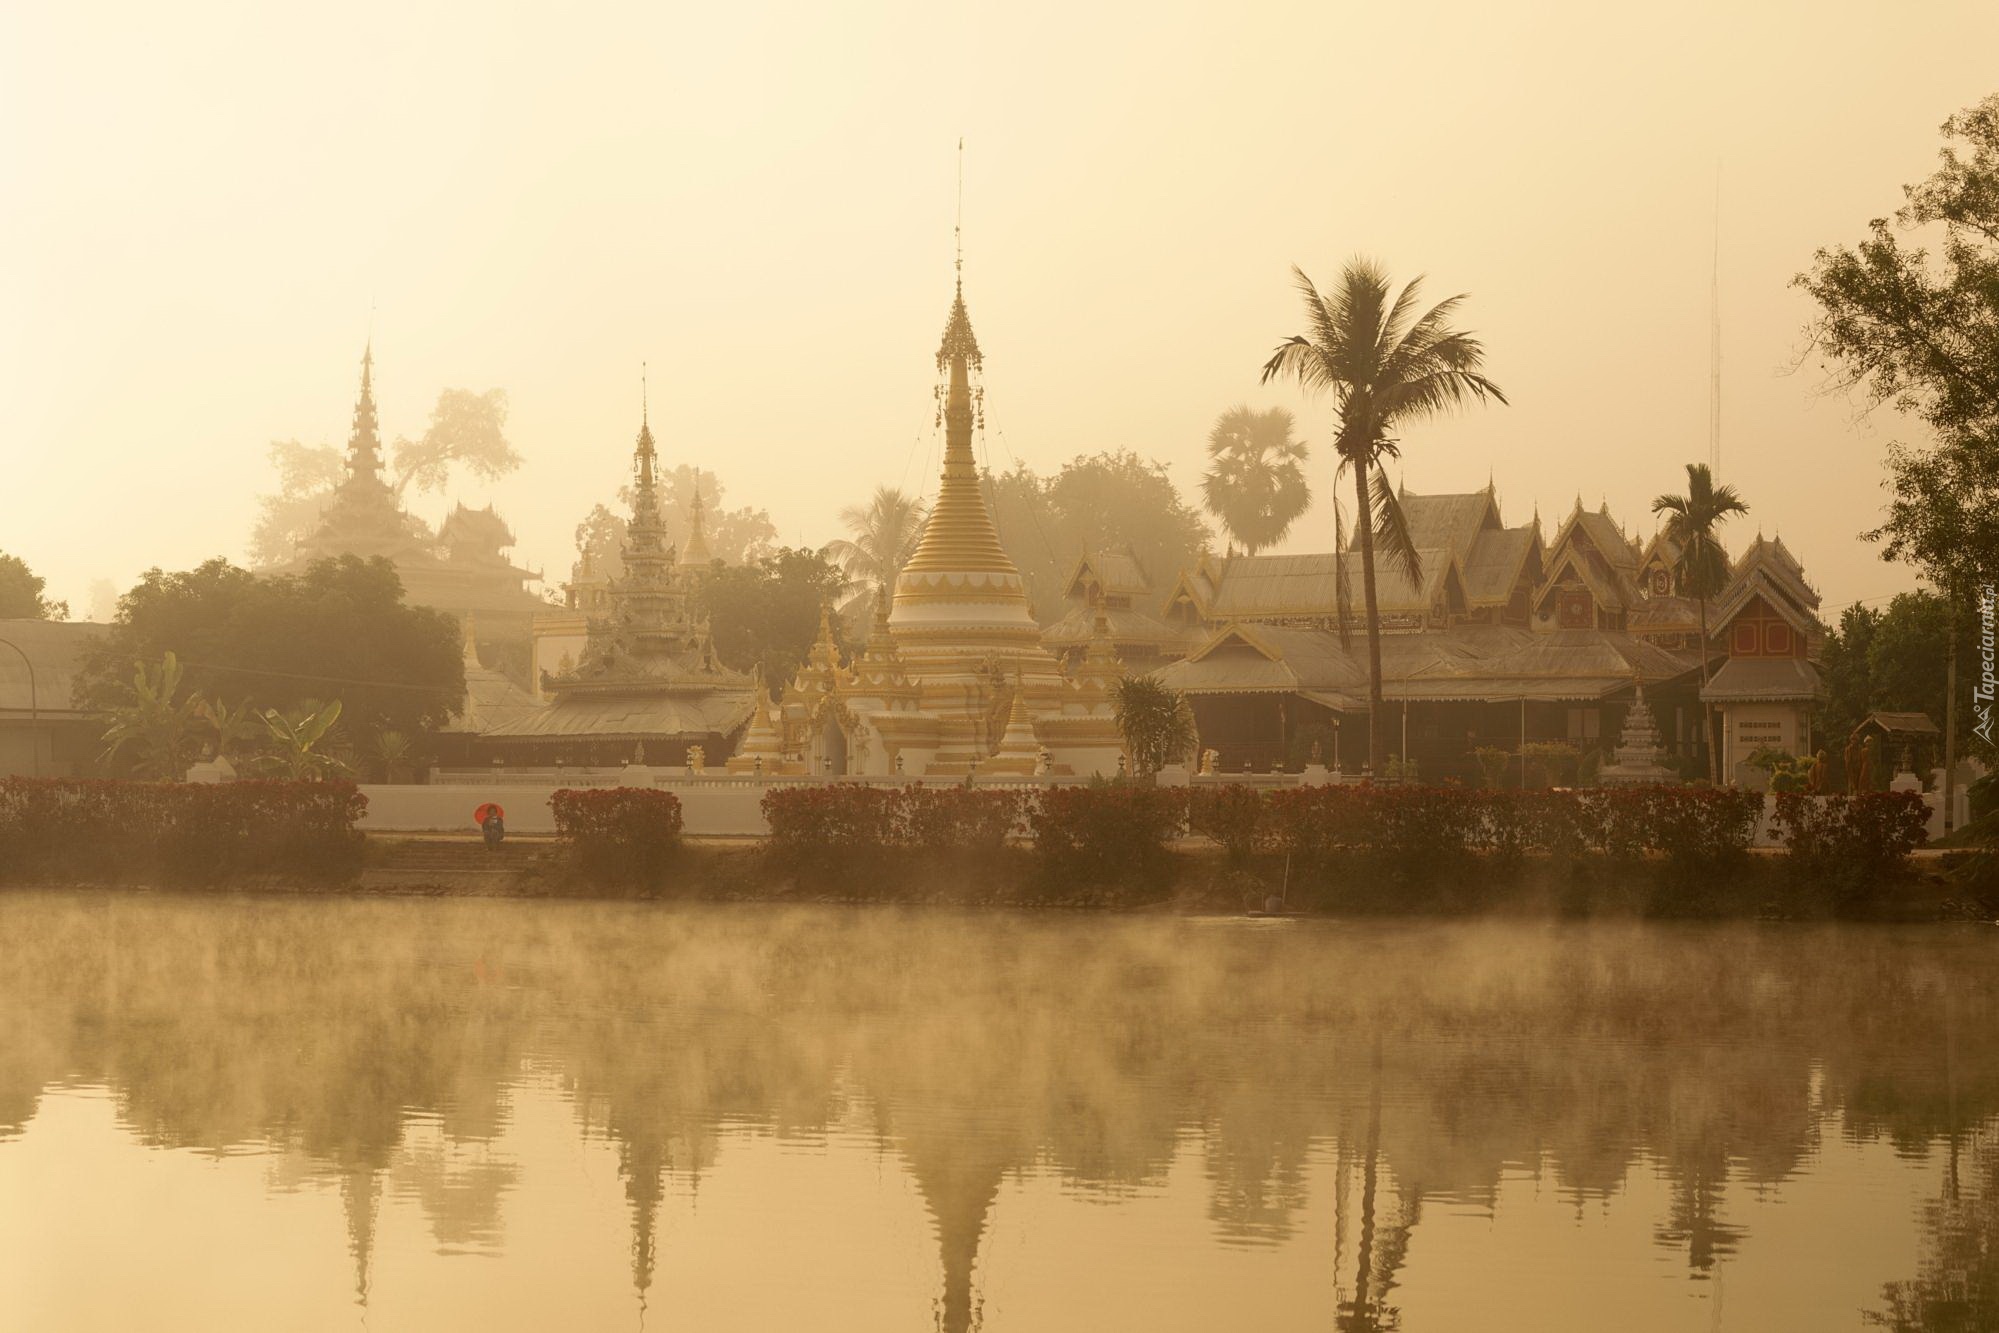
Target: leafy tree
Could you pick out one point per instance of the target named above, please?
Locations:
(1095, 502)
(1702, 567)
(1849, 679)
(734, 536)
(155, 728)
(1255, 482)
(1920, 329)
(1156, 722)
(307, 474)
(278, 641)
(301, 743)
(766, 613)
(467, 431)
(884, 531)
(21, 593)
(1893, 659)
(1384, 365)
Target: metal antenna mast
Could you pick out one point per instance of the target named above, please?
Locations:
(1714, 343)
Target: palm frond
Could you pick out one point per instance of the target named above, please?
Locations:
(1392, 538)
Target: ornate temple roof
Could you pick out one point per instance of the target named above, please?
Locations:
(1465, 662)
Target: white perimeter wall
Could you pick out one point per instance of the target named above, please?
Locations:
(714, 810)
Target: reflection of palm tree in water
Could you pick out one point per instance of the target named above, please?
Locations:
(1380, 1256)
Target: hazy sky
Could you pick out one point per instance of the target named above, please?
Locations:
(203, 204)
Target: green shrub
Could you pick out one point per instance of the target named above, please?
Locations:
(619, 835)
(1844, 849)
(1106, 837)
(185, 834)
(1230, 813)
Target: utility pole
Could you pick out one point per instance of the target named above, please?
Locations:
(1950, 713)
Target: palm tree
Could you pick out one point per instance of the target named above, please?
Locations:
(885, 532)
(154, 724)
(1156, 722)
(1702, 567)
(1385, 365)
(1255, 482)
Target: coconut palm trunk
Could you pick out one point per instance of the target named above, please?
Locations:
(1385, 365)
(1377, 737)
(1706, 708)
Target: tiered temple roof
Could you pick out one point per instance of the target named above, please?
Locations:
(1496, 615)
(649, 673)
(463, 570)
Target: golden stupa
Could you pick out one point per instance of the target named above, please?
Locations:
(954, 679)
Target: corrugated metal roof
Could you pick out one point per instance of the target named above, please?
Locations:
(628, 717)
(1495, 662)
(1769, 679)
(1494, 564)
(1127, 625)
(1116, 570)
(1251, 586)
(1917, 724)
(56, 649)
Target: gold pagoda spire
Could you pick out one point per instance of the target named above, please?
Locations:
(960, 537)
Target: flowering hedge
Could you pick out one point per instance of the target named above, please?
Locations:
(857, 835)
(110, 831)
(1850, 845)
(1095, 836)
(1424, 823)
(619, 834)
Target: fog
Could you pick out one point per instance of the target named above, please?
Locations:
(212, 207)
(1672, 1076)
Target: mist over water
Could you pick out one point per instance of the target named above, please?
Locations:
(449, 1115)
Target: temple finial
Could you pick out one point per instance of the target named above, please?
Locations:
(958, 228)
(645, 404)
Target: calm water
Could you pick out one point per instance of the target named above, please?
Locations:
(425, 1115)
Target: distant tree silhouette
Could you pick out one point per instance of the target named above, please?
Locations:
(1255, 482)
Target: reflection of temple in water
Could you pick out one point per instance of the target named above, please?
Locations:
(363, 1047)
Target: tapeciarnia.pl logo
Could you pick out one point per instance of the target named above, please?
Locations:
(1982, 692)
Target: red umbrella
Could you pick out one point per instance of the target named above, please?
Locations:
(489, 808)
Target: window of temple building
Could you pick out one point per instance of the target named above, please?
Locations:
(1744, 643)
(1777, 638)
(1585, 724)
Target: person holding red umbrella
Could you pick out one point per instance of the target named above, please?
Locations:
(492, 822)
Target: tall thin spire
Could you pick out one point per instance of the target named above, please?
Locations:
(958, 229)
(960, 536)
(646, 534)
(364, 443)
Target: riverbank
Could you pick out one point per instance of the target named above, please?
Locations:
(1193, 876)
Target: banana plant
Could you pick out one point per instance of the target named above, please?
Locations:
(299, 743)
(154, 726)
(231, 727)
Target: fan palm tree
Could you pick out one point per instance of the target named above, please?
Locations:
(159, 728)
(1255, 482)
(885, 532)
(1385, 365)
(1702, 567)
